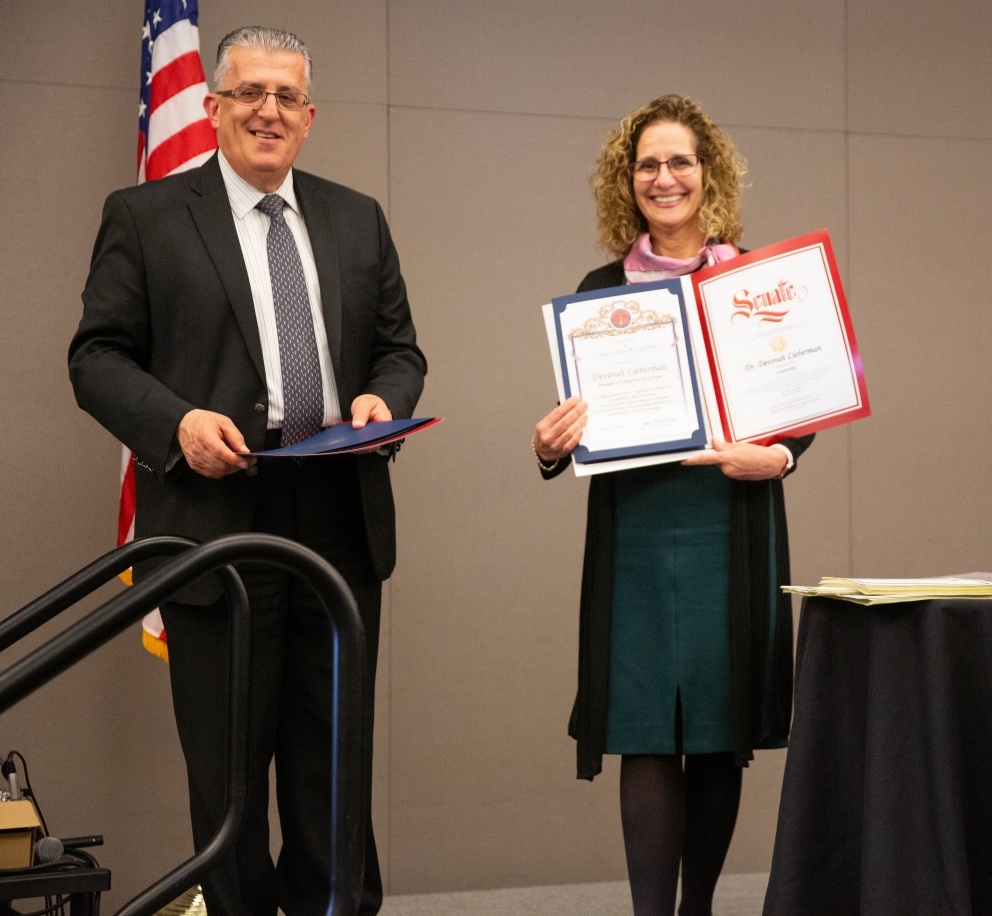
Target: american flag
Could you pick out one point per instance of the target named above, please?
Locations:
(173, 131)
(174, 134)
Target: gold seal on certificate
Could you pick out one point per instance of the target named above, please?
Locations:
(756, 348)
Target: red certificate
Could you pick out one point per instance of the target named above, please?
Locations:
(779, 342)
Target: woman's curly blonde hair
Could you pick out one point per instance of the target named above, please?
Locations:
(621, 222)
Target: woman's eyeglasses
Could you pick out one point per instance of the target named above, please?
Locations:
(648, 169)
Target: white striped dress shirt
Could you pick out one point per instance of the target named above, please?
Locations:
(253, 227)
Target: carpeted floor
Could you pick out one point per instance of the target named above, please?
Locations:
(736, 895)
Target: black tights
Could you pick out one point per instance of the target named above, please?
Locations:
(671, 815)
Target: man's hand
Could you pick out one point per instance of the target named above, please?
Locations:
(742, 460)
(368, 408)
(212, 444)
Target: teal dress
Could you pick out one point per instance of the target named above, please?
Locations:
(669, 675)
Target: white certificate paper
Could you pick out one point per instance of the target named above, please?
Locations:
(758, 348)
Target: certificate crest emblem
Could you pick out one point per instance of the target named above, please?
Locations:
(620, 318)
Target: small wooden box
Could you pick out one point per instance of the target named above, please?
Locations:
(19, 827)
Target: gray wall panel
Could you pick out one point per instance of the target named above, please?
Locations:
(921, 478)
(780, 62)
(920, 69)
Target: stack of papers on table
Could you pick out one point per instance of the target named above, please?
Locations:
(890, 591)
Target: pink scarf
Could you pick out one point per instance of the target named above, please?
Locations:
(642, 265)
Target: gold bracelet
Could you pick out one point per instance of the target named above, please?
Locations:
(540, 461)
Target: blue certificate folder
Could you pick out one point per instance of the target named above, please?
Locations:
(343, 437)
(617, 319)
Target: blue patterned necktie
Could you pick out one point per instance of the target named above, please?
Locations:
(302, 389)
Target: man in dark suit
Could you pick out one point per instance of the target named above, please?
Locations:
(190, 352)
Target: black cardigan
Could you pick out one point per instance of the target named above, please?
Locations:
(762, 705)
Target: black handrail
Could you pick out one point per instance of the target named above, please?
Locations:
(80, 584)
(88, 634)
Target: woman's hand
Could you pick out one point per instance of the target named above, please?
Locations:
(556, 436)
(742, 460)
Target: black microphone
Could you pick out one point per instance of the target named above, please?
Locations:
(47, 850)
(78, 842)
(50, 849)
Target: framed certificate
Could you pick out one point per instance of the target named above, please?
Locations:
(757, 349)
(629, 356)
(781, 348)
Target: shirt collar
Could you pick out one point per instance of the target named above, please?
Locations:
(244, 196)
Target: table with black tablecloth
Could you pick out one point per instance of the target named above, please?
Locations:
(886, 803)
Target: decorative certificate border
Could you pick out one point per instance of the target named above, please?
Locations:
(621, 313)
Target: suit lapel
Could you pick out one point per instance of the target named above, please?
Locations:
(318, 215)
(211, 211)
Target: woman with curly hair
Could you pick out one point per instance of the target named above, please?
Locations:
(685, 643)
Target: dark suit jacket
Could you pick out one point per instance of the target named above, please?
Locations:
(169, 325)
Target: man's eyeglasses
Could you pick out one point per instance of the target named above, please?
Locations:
(648, 169)
(254, 97)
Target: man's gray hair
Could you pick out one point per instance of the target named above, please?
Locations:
(256, 36)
